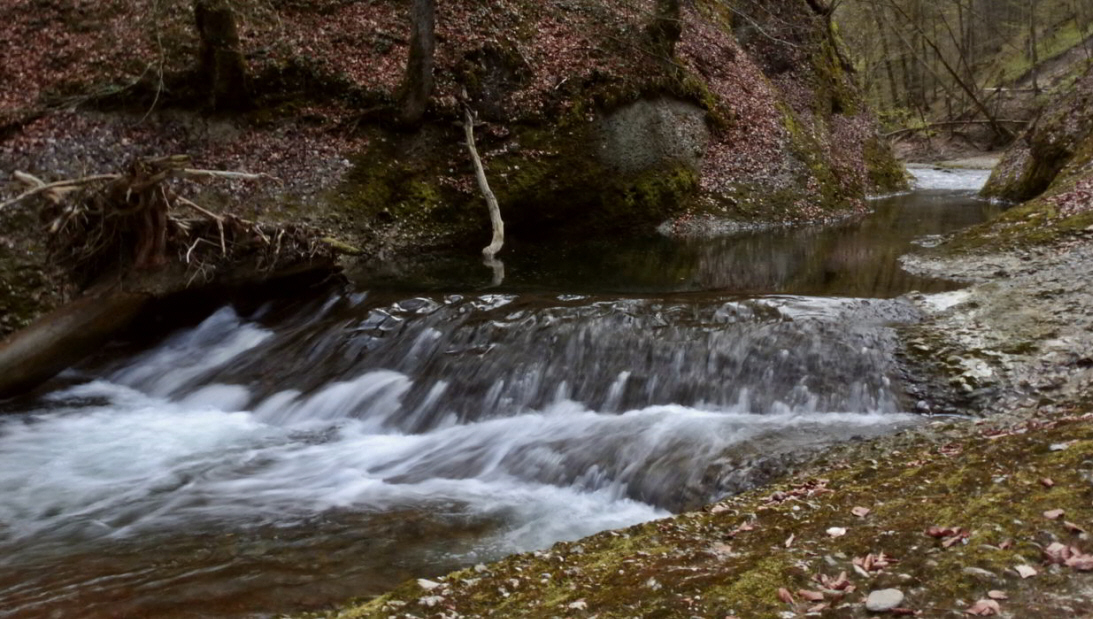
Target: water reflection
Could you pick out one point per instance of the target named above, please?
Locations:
(856, 259)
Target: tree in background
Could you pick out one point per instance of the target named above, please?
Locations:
(666, 28)
(222, 69)
(954, 63)
(417, 85)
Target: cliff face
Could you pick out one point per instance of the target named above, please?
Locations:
(593, 116)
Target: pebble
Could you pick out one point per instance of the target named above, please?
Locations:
(979, 572)
(428, 585)
(883, 600)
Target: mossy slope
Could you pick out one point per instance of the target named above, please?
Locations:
(789, 138)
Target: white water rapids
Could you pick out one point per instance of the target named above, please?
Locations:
(295, 456)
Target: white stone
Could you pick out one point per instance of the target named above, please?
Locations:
(428, 585)
(883, 600)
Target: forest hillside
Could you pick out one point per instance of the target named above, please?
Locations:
(591, 117)
(965, 75)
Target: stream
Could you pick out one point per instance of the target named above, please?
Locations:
(289, 455)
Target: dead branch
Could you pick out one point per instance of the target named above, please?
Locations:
(483, 184)
(245, 176)
(951, 123)
(39, 187)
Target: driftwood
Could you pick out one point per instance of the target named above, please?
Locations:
(483, 184)
(130, 237)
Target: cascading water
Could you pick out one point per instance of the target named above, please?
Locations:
(310, 452)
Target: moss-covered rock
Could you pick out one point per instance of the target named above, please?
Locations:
(1057, 142)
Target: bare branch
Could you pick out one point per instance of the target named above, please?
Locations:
(72, 182)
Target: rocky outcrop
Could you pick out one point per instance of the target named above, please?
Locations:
(1051, 169)
(1055, 148)
(756, 119)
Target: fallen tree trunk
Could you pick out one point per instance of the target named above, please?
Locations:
(63, 337)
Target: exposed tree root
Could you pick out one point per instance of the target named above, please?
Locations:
(131, 221)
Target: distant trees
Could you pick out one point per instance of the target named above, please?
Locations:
(943, 60)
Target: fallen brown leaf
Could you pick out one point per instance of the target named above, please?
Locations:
(872, 562)
(1047, 482)
(860, 512)
(819, 607)
(1058, 553)
(1054, 514)
(995, 594)
(1081, 562)
(984, 608)
(960, 535)
(1026, 571)
(951, 450)
(811, 596)
(942, 532)
(1073, 528)
(836, 531)
(838, 583)
(1006, 544)
(786, 596)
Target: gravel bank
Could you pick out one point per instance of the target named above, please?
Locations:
(1020, 337)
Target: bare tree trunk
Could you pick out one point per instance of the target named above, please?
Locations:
(491, 201)
(64, 337)
(1033, 53)
(418, 84)
(893, 88)
(666, 28)
(221, 65)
